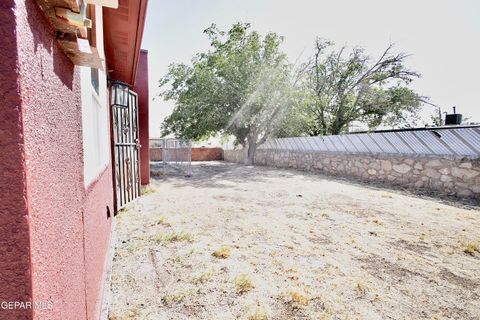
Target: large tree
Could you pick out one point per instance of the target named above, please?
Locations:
(239, 87)
(343, 86)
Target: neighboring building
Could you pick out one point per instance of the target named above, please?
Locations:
(70, 136)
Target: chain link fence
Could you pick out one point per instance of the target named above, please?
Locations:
(176, 155)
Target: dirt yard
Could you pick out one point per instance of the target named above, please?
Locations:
(256, 243)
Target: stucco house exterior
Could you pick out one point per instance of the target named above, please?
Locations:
(73, 148)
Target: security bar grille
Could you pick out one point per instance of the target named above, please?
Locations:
(125, 132)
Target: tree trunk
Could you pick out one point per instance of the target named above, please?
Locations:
(335, 131)
(337, 128)
(250, 154)
(250, 150)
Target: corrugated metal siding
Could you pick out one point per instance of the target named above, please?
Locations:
(451, 142)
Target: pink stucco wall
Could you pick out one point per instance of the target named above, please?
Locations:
(15, 279)
(55, 232)
(141, 88)
(50, 91)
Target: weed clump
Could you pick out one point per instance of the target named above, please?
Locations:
(259, 315)
(243, 283)
(134, 246)
(178, 297)
(471, 247)
(148, 190)
(361, 288)
(222, 253)
(162, 220)
(170, 237)
(297, 299)
(203, 277)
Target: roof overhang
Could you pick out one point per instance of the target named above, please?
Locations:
(69, 18)
(123, 32)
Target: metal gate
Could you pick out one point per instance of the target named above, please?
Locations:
(126, 143)
(177, 156)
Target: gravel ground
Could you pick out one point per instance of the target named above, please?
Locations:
(257, 243)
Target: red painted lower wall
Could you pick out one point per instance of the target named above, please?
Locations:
(97, 229)
(55, 232)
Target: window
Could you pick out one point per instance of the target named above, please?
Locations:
(96, 143)
(94, 79)
(95, 116)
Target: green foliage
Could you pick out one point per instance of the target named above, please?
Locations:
(339, 88)
(240, 87)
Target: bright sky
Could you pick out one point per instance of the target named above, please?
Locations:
(443, 37)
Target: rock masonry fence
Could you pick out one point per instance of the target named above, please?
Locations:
(441, 159)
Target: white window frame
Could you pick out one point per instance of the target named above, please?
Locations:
(95, 116)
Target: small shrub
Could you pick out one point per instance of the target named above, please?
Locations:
(243, 283)
(297, 299)
(222, 253)
(178, 236)
(471, 247)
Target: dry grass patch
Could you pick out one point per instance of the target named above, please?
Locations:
(259, 314)
(471, 247)
(174, 236)
(203, 277)
(120, 215)
(162, 220)
(127, 315)
(222, 253)
(298, 299)
(243, 283)
(178, 297)
(327, 315)
(148, 190)
(134, 246)
(361, 288)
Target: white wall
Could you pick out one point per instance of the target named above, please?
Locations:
(96, 131)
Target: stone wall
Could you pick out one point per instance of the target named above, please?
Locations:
(445, 174)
